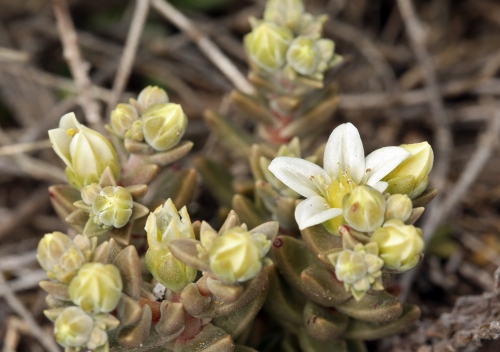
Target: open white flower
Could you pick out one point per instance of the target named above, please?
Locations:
(345, 167)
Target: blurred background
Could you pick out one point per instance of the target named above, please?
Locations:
(427, 73)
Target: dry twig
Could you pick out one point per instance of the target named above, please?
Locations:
(79, 68)
(205, 45)
(46, 340)
(129, 52)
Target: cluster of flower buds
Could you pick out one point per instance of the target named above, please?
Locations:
(287, 43)
(350, 199)
(82, 292)
(150, 123)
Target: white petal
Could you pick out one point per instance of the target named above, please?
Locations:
(313, 211)
(299, 174)
(60, 142)
(68, 121)
(380, 186)
(381, 162)
(344, 151)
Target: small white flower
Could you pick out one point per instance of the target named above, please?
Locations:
(345, 167)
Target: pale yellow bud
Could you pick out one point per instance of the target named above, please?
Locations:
(97, 288)
(400, 245)
(122, 118)
(162, 226)
(284, 12)
(164, 125)
(89, 192)
(237, 255)
(73, 327)
(303, 55)
(113, 206)
(86, 152)
(267, 45)
(412, 175)
(59, 257)
(152, 95)
(97, 338)
(364, 208)
(399, 206)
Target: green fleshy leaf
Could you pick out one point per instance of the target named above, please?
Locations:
(324, 324)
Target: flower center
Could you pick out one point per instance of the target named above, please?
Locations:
(72, 131)
(339, 188)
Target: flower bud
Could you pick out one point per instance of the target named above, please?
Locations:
(122, 118)
(113, 206)
(89, 192)
(162, 226)
(412, 175)
(400, 245)
(267, 45)
(364, 208)
(85, 152)
(73, 327)
(399, 206)
(284, 12)
(152, 95)
(59, 257)
(97, 338)
(164, 125)
(237, 255)
(358, 269)
(135, 132)
(97, 288)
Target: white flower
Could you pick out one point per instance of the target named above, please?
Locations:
(86, 152)
(345, 167)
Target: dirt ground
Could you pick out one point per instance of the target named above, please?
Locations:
(430, 71)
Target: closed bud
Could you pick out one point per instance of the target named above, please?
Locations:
(89, 192)
(122, 118)
(164, 125)
(399, 206)
(73, 327)
(59, 257)
(86, 152)
(97, 338)
(97, 288)
(359, 269)
(411, 177)
(113, 206)
(152, 95)
(284, 12)
(267, 45)
(364, 208)
(135, 132)
(400, 245)
(162, 226)
(237, 255)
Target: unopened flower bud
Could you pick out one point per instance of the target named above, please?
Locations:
(267, 45)
(59, 257)
(152, 95)
(399, 206)
(122, 118)
(135, 132)
(89, 192)
(86, 152)
(164, 125)
(162, 226)
(97, 338)
(113, 206)
(359, 269)
(97, 288)
(284, 12)
(237, 255)
(73, 327)
(412, 175)
(400, 245)
(364, 208)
